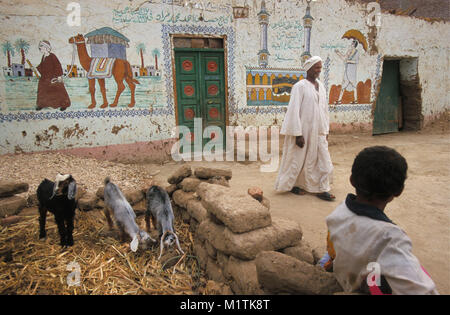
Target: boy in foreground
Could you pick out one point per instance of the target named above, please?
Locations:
(372, 254)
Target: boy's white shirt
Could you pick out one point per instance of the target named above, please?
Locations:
(359, 241)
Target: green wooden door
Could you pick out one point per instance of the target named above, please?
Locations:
(386, 116)
(200, 81)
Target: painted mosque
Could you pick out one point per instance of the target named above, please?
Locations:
(272, 86)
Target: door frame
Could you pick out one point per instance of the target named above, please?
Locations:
(225, 63)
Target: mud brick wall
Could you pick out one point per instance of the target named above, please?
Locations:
(141, 130)
(239, 244)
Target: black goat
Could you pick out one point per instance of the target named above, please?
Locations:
(59, 198)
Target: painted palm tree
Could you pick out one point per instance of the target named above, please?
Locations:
(156, 53)
(140, 48)
(22, 47)
(8, 50)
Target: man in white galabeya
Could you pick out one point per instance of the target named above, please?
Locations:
(306, 163)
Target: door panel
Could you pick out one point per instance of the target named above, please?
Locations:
(213, 94)
(386, 115)
(200, 82)
(188, 64)
(188, 89)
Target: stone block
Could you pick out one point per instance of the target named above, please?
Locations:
(182, 198)
(180, 174)
(11, 205)
(246, 246)
(238, 211)
(88, 202)
(196, 210)
(10, 188)
(282, 274)
(301, 251)
(244, 275)
(189, 184)
(206, 173)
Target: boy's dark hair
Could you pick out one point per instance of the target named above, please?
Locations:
(379, 172)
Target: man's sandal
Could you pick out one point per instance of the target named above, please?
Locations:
(326, 196)
(298, 191)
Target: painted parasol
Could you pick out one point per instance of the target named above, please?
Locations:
(356, 35)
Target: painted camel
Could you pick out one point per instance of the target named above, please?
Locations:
(121, 70)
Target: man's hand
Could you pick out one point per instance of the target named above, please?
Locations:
(300, 141)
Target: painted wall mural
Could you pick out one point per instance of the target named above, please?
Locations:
(146, 15)
(270, 86)
(350, 91)
(102, 56)
(108, 53)
(51, 91)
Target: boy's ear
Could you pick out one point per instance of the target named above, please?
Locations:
(351, 181)
(399, 193)
(390, 199)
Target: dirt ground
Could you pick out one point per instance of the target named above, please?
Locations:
(422, 210)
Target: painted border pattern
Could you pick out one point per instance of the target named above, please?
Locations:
(47, 115)
(350, 108)
(282, 109)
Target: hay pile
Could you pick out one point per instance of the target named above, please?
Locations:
(32, 266)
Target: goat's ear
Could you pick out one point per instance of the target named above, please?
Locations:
(72, 190)
(55, 189)
(134, 244)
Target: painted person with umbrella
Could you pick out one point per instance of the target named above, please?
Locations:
(351, 59)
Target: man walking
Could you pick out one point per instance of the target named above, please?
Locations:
(306, 163)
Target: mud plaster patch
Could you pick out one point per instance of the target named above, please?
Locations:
(18, 150)
(115, 130)
(45, 136)
(54, 128)
(76, 131)
(372, 37)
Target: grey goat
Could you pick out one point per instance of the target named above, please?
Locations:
(160, 210)
(124, 216)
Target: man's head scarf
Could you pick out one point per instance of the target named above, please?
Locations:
(45, 44)
(311, 62)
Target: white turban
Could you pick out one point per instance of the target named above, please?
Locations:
(45, 44)
(311, 62)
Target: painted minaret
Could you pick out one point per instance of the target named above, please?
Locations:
(307, 25)
(263, 53)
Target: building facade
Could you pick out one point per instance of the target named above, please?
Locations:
(201, 61)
